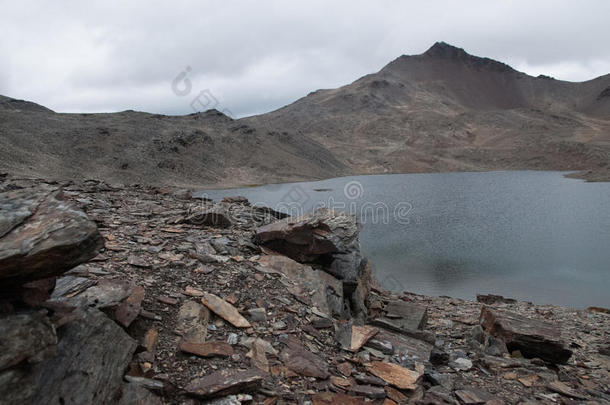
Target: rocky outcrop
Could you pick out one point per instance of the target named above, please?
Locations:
(41, 236)
(325, 236)
(92, 355)
(28, 337)
(316, 287)
(329, 240)
(302, 343)
(532, 337)
(83, 364)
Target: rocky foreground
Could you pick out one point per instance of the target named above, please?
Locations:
(154, 297)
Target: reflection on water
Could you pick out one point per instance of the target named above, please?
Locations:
(529, 235)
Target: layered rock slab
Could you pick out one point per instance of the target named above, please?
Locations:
(327, 291)
(86, 367)
(225, 382)
(324, 236)
(532, 337)
(42, 235)
(25, 337)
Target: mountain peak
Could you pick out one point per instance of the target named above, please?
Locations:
(445, 50)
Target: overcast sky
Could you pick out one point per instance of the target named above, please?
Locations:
(255, 56)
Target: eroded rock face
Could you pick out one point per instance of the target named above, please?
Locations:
(325, 236)
(42, 236)
(83, 363)
(328, 240)
(25, 337)
(85, 370)
(326, 291)
(225, 382)
(533, 337)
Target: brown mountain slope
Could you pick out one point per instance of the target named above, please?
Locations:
(134, 147)
(443, 110)
(446, 110)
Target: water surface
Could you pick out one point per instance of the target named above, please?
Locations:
(530, 235)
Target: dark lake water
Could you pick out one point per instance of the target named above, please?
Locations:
(530, 235)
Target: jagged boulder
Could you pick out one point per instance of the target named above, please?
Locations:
(27, 337)
(92, 355)
(325, 236)
(315, 287)
(533, 337)
(41, 236)
(83, 364)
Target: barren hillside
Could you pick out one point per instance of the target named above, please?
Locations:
(446, 110)
(443, 110)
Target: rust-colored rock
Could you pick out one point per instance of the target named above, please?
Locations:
(361, 335)
(395, 395)
(563, 389)
(532, 337)
(395, 375)
(300, 360)
(167, 300)
(329, 398)
(208, 349)
(129, 310)
(192, 291)
(225, 310)
(150, 339)
(225, 382)
(257, 355)
(345, 368)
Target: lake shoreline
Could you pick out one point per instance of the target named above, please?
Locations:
(291, 351)
(532, 235)
(590, 176)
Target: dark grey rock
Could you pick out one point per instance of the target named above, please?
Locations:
(42, 236)
(438, 357)
(257, 314)
(325, 235)
(532, 337)
(25, 337)
(384, 346)
(92, 355)
(134, 394)
(495, 347)
(407, 315)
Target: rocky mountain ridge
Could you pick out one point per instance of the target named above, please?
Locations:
(446, 110)
(443, 110)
